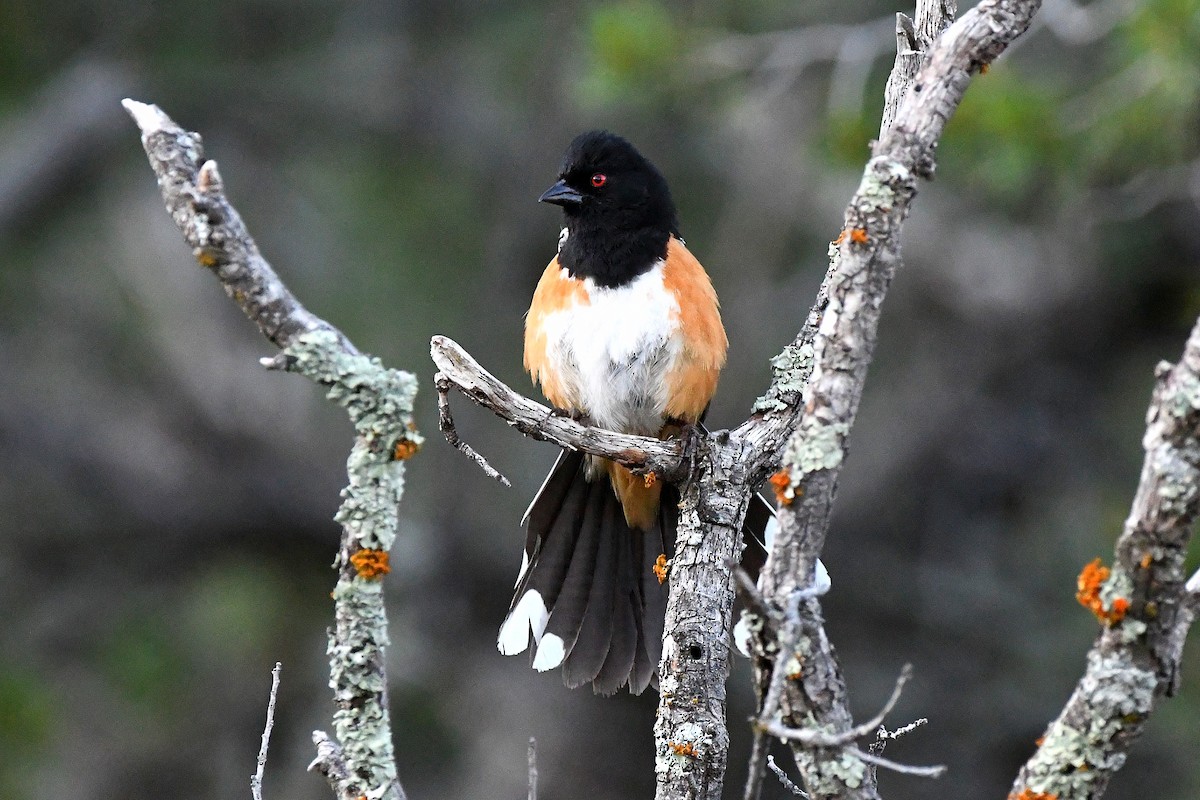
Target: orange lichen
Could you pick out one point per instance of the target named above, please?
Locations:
(1147, 560)
(683, 749)
(782, 483)
(983, 68)
(650, 479)
(660, 568)
(841, 237)
(404, 449)
(1117, 611)
(1030, 794)
(1040, 741)
(370, 564)
(1091, 579)
(206, 258)
(858, 236)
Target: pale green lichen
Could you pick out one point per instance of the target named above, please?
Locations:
(1185, 395)
(880, 180)
(380, 404)
(815, 446)
(829, 775)
(1114, 694)
(1178, 486)
(669, 762)
(789, 374)
(793, 665)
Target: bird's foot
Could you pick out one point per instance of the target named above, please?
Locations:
(573, 414)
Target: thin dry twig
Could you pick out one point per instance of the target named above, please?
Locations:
(329, 761)
(533, 769)
(816, 738)
(750, 593)
(936, 771)
(446, 424)
(784, 779)
(257, 779)
(641, 454)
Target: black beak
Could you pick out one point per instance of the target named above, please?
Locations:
(561, 195)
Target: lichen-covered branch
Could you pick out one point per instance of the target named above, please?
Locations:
(379, 401)
(863, 261)
(691, 738)
(1144, 603)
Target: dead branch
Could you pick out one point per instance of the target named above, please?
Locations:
(1146, 603)
(379, 402)
(642, 454)
(257, 779)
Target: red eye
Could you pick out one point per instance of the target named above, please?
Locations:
(598, 179)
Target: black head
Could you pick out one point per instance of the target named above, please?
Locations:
(617, 207)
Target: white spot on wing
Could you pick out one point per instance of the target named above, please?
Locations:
(562, 239)
(822, 583)
(550, 653)
(769, 532)
(741, 635)
(529, 613)
(524, 568)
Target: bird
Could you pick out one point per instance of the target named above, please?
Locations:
(624, 332)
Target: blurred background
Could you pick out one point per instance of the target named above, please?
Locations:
(165, 504)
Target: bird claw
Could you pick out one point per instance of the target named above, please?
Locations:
(568, 413)
(692, 436)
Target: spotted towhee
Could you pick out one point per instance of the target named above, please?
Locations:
(624, 332)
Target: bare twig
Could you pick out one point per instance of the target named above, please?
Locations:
(640, 453)
(750, 593)
(786, 660)
(783, 778)
(446, 424)
(257, 779)
(329, 761)
(380, 404)
(533, 769)
(817, 738)
(884, 734)
(936, 771)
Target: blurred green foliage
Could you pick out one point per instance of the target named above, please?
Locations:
(632, 49)
(144, 662)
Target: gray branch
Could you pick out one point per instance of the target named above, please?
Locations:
(863, 262)
(458, 370)
(379, 401)
(257, 779)
(1146, 603)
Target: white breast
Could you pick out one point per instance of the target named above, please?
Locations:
(615, 352)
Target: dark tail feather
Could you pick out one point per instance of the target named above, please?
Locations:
(626, 624)
(588, 591)
(569, 607)
(559, 507)
(587, 655)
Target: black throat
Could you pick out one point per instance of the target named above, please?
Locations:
(608, 255)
